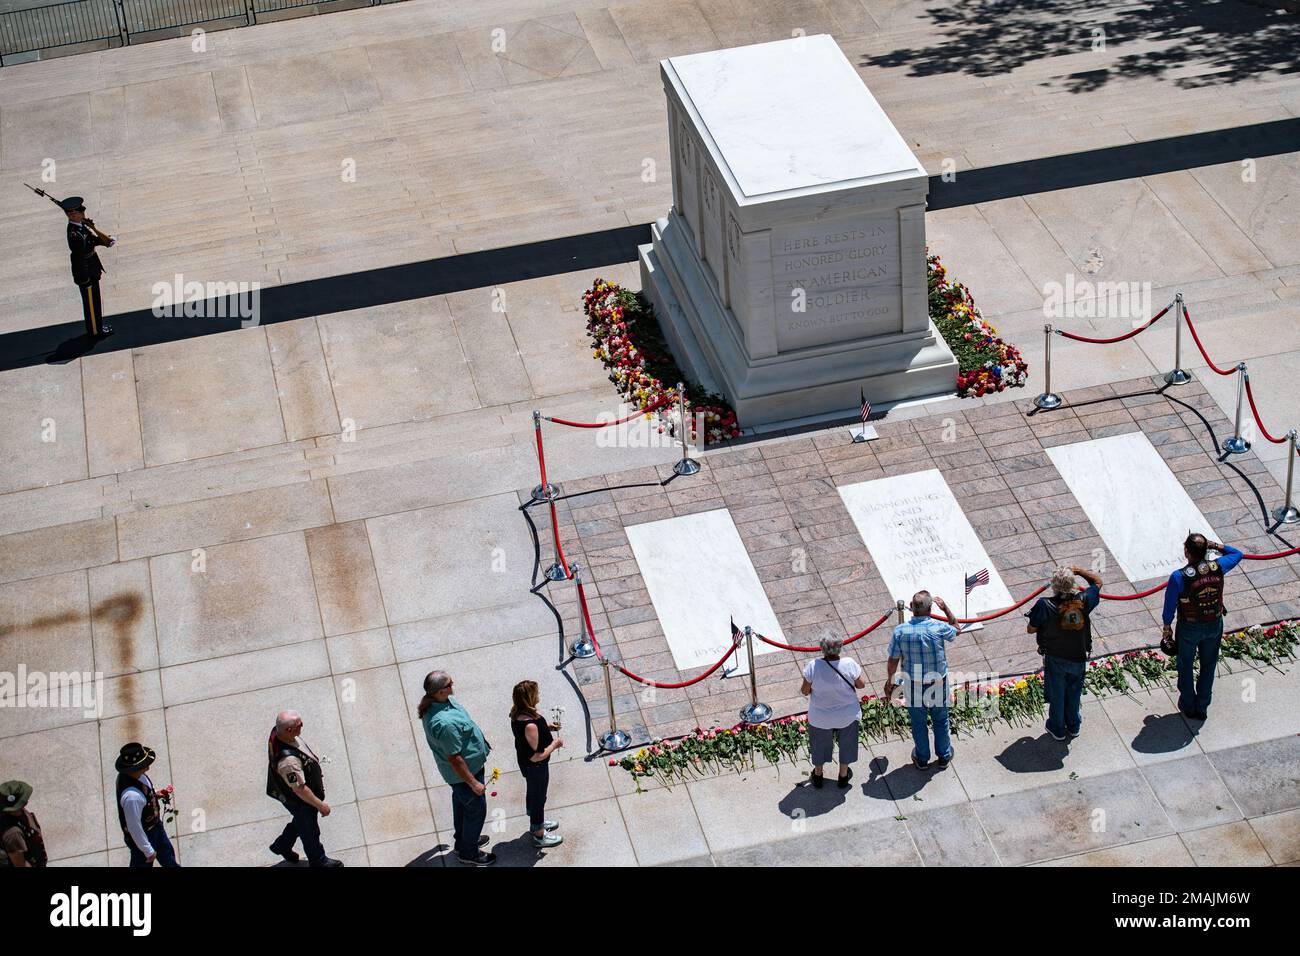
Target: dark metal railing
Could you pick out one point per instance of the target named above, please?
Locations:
(122, 21)
(60, 24)
(145, 16)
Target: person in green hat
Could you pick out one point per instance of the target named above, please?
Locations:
(20, 831)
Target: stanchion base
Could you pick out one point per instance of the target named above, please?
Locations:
(615, 740)
(1236, 445)
(546, 494)
(1286, 515)
(687, 466)
(756, 714)
(555, 572)
(1177, 377)
(1048, 400)
(582, 648)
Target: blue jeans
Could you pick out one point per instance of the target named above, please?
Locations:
(1063, 687)
(1193, 640)
(938, 717)
(162, 847)
(468, 814)
(304, 826)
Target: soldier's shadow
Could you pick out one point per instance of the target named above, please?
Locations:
(71, 350)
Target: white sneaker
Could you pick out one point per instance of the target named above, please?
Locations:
(548, 840)
(549, 825)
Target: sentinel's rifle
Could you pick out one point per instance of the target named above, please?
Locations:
(104, 237)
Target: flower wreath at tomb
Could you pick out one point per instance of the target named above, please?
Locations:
(1017, 701)
(626, 338)
(985, 363)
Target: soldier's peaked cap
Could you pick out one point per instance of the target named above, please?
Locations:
(71, 203)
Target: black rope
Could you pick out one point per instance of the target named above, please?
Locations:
(536, 591)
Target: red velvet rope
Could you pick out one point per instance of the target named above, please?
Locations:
(1250, 396)
(663, 685)
(848, 640)
(1204, 354)
(657, 404)
(1118, 338)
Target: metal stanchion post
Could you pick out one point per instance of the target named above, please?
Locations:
(1288, 514)
(547, 491)
(1236, 444)
(901, 608)
(754, 713)
(1049, 399)
(583, 646)
(612, 739)
(1178, 376)
(688, 465)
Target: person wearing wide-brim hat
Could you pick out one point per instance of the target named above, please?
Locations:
(20, 831)
(138, 808)
(83, 240)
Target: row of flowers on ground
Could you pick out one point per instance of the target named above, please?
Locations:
(627, 339)
(1017, 701)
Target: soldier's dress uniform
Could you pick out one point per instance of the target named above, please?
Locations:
(86, 269)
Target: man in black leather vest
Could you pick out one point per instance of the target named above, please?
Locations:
(294, 777)
(1063, 625)
(138, 810)
(1195, 595)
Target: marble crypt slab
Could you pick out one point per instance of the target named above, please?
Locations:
(1135, 502)
(699, 576)
(920, 538)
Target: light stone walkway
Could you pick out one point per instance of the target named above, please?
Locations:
(310, 514)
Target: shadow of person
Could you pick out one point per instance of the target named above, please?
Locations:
(434, 856)
(898, 784)
(519, 852)
(1034, 754)
(1162, 734)
(805, 800)
(71, 349)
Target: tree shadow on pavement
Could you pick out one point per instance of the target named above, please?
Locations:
(1224, 41)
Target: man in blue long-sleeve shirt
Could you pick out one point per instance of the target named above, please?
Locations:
(1195, 596)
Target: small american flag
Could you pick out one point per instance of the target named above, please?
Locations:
(866, 405)
(975, 580)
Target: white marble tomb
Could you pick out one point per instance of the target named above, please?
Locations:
(920, 538)
(1135, 502)
(791, 270)
(699, 576)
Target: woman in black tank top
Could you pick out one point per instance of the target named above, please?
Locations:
(534, 744)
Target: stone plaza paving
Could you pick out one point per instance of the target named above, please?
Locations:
(351, 483)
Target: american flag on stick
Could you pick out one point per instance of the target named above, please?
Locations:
(866, 405)
(975, 580)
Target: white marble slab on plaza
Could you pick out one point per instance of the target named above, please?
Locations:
(1135, 502)
(699, 576)
(920, 539)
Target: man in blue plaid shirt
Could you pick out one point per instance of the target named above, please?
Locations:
(920, 643)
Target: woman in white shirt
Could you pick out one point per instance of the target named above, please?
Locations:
(831, 684)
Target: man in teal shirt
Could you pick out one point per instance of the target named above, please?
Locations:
(461, 752)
